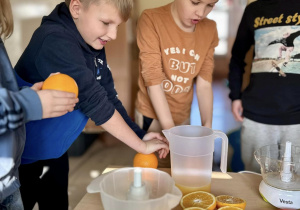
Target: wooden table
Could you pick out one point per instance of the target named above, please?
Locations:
(243, 185)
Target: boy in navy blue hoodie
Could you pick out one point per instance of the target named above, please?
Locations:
(72, 39)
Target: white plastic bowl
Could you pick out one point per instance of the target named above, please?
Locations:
(114, 186)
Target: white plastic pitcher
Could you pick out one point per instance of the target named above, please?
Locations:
(115, 185)
(191, 150)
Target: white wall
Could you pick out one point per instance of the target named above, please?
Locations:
(27, 17)
(141, 5)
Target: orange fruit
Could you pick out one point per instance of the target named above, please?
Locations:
(145, 161)
(200, 199)
(230, 208)
(61, 82)
(194, 208)
(228, 200)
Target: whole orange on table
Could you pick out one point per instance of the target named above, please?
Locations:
(61, 82)
(145, 161)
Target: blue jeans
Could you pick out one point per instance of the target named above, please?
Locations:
(12, 202)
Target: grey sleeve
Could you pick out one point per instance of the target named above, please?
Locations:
(18, 107)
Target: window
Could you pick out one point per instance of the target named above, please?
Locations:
(227, 14)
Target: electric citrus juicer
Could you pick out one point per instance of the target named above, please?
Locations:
(280, 169)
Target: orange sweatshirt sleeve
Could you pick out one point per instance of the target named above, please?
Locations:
(150, 52)
(207, 68)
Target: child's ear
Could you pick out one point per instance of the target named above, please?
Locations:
(74, 7)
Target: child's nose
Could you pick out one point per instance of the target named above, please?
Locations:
(200, 12)
(112, 34)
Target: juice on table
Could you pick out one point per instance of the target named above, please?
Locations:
(187, 189)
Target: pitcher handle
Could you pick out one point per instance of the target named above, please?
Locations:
(224, 152)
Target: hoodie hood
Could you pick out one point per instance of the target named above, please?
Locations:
(62, 16)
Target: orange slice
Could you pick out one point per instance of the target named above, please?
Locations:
(199, 199)
(194, 208)
(232, 201)
(230, 208)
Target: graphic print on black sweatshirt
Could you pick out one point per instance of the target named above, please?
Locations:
(277, 50)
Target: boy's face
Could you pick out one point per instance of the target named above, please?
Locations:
(97, 24)
(189, 12)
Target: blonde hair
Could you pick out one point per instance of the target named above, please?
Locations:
(124, 6)
(6, 19)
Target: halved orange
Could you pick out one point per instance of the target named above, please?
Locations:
(228, 200)
(194, 208)
(230, 208)
(199, 199)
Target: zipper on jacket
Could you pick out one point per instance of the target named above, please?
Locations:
(98, 76)
(96, 66)
(95, 60)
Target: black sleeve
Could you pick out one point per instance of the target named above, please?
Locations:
(244, 40)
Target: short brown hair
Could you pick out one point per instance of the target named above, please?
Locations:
(124, 6)
(6, 19)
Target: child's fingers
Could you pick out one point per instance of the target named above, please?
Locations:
(164, 148)
(62, 94)
(64, 102)
(63, 108)
(165, 140)
(160, 153)
(53, 74)
(165, 153)
(57, 114)
(37, 86)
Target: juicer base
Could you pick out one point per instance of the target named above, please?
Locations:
(282, 199)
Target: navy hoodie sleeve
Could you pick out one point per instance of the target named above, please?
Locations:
(108, 84)
(244, 40)
(59, 53)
